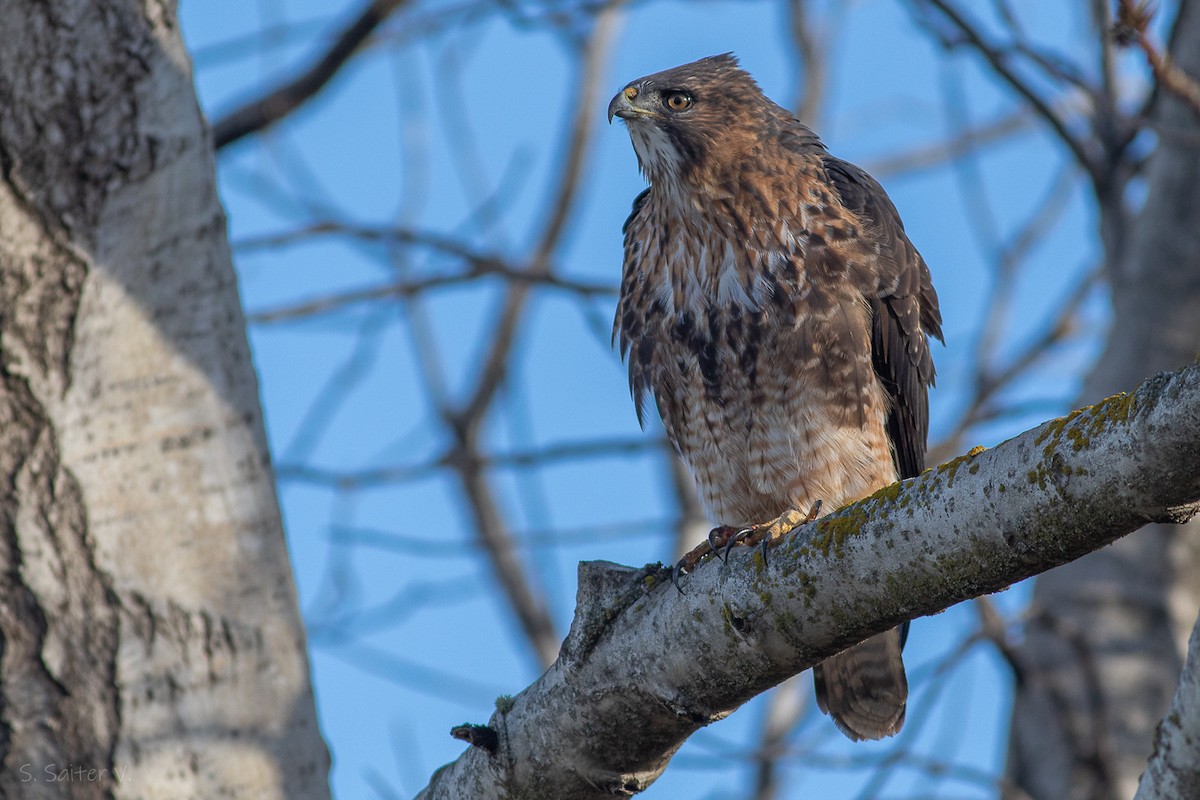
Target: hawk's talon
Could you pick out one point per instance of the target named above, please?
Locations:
(722, 539)
(677, 572)
(736, 539)
(714, 543)
(770, 532)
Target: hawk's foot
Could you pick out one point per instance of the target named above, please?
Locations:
(722, 538)
(770, 532)
(713, 545)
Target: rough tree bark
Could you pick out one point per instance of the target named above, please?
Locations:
(643, 668)
(1107, 634)
(150, 642)
(1174, 770)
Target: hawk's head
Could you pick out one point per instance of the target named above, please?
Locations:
(685, 120)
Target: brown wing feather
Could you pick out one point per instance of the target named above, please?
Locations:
(635, 347)
(904, 312)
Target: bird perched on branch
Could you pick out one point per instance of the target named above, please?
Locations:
(775, 310)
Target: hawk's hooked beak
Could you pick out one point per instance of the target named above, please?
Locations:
(622, 105)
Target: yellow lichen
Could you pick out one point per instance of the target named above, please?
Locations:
(1037, 476)
(950, 468)
(833, 531)
(1082, 425)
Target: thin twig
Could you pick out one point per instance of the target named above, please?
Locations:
(960, 144)
(417, 544)
(987, 386)
(409, 288)
(1132, 25)
(998, 59)
(456, 458)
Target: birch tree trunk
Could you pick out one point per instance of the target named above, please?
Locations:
(1106, 641)
(150, 642)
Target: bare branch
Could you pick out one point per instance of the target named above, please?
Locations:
(1132, 25)
(417, 544)
(693, 523)
(810, 50)
(993, 628)
(999, 60)
(981, 406)
(478, 269)
(562, 202)
(466, 421)
(456, 459)
(785, 707)
(966, 141)
(283, 100)
(606, 717)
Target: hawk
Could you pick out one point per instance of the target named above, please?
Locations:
(775, 310)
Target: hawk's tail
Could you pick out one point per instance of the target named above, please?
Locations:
(864, 688)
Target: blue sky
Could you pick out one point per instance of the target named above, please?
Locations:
(407, 636)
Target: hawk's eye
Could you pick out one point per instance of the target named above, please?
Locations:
(677, 101)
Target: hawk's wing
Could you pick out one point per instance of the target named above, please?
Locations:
(904, 310)
(628, 325)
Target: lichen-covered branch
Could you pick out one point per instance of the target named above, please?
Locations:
(645, 666)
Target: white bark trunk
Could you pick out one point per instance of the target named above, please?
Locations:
(152, 645)
(642, 668)
(1174, 770)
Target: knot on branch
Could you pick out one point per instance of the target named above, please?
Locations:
(477, 736)
(605, 590)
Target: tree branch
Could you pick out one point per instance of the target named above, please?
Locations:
(283, 100)
(644, 667)
(999, 60)
(1132, 26)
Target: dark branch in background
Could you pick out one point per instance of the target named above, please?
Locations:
(1101, 147)
(811, 52)
(965, 32)
(479, 264)
(1105, 95)
(278, 103)
(605, 719)
(1092, 740)
(454, 459)
(466, 421)
(417, 544)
